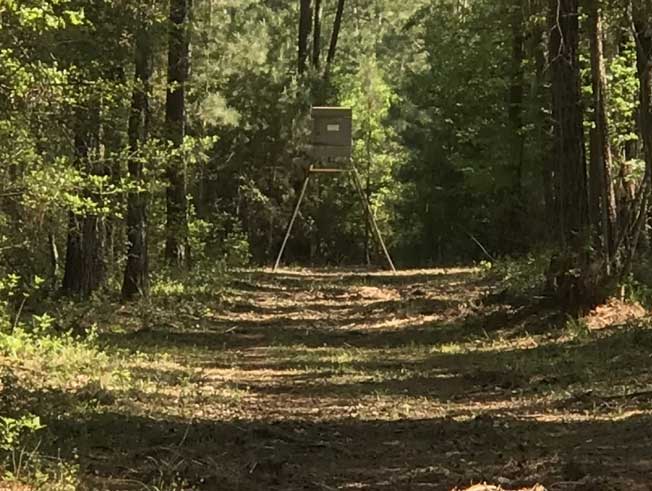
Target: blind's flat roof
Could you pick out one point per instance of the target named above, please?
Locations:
(330, 108)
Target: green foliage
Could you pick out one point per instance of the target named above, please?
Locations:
(377, 152)
(13, 431)
(453, 118)
(637, 289)
(429, 81)
(37, 346)
(206, 279)
(219, 240)
(236, 249)
(577, 329)
(22, 461)
(623, 93)
(65, 354)
(520, 275)
(41, 354)
(42, 15)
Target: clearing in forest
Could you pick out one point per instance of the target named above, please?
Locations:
(329, 380)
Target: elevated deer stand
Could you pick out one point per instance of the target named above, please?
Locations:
(332, 139)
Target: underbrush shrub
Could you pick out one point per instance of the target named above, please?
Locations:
(577, 329)
(218, 247)
(204, 280)
(43, 357)
(519, 276)
(638, 285)
(219, 241)
(23, 466)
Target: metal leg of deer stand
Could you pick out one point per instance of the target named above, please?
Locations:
(292, 220)
(372, 218)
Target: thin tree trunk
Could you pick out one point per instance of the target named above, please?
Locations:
(516, 119)
(602, 158)
(517, 95)
(337, 26)
(136, 275)
(305, 24)
(113, 143)
(539, 103)
(367, 229)
(595, 188)
(53, 255)
(176, 245)
(316, 36)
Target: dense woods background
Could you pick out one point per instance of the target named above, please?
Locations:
(151, 155)
(143, 136)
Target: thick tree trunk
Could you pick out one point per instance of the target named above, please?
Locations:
(604, 198)
(569, 153)
(575, 291)
(136, 275)
(176, 245)
(305, 24)
(641, 11)
(85, 268)
(644, 63)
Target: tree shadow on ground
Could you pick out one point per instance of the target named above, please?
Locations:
(567, 370)
(520, 401)
(358, 331)
(393, 455)
(330, 285)
(565, 439)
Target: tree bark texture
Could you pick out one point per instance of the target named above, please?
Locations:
(604, 197)
(176, 245)
(568, 151)
(316, 35)
(85, 267)
(337, 27)
(305, 24)
(136, 274)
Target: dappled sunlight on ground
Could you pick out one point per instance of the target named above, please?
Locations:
(353, 380)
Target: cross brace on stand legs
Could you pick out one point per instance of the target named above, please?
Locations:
(355, 179)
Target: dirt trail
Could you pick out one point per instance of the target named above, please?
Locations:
(337, 380)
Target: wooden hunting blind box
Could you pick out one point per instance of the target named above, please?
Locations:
(332, 132)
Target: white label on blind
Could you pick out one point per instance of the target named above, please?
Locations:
(333, 128)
